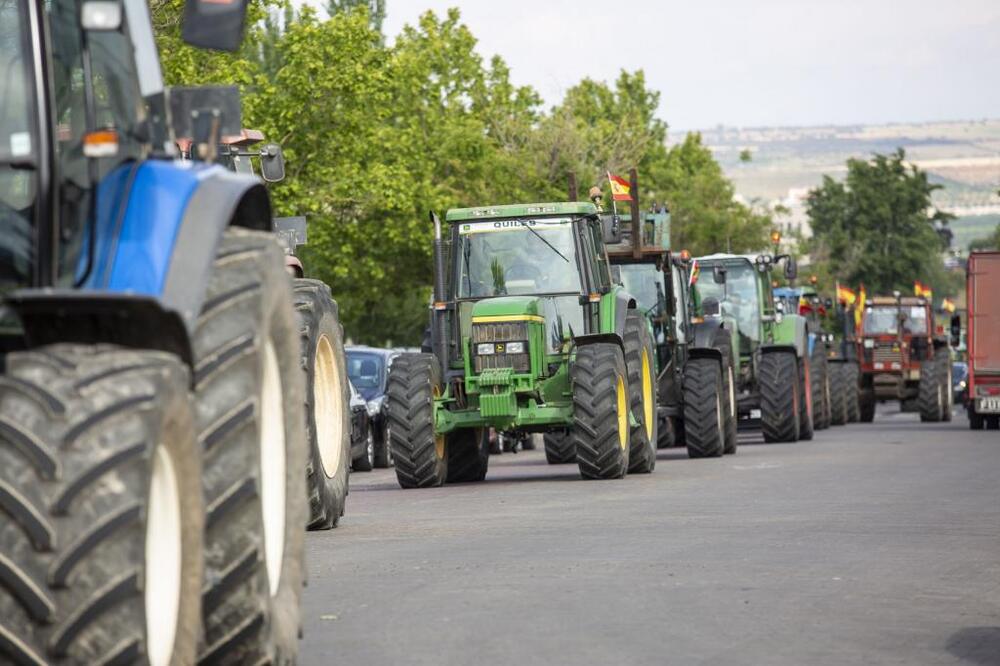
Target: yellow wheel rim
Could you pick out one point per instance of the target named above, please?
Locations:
(438, 439)
(622, 414)
(647, 394)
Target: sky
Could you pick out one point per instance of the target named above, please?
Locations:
(750, 63)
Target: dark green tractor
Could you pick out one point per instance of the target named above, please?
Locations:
(774, 379)
(697, 361)
(529, 334)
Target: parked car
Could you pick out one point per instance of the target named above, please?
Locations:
(362, 444)
(368, 369)
(959, 379)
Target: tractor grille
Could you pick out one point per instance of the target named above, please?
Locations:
(499, 334)
(887, 356)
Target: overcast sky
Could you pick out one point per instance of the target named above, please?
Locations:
(752, 62)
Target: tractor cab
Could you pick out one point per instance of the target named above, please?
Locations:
(896, 335)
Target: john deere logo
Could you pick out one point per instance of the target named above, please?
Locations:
(500, 348)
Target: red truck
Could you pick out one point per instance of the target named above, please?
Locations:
(983, 297)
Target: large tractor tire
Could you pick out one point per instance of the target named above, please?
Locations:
(838, 393)
(942, 360)
(778, 380)
(328, 418)
(809, 402)
(704, 411)
(866, 405)
(560, 448)
(852, 391)
(930, 397)
(468, 455)
(723, 342)
(600, 411)
(250, 392)
(639, 355)
(420, 455)
(102, 523)
(820, 375)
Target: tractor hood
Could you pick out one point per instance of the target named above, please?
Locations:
(512, 307)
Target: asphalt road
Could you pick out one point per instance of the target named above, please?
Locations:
(872, 544)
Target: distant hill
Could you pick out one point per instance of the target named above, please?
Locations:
(963, 156)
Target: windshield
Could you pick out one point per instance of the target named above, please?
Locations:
(17, 149)
(367, 372)
(512, 257)
(645, 283)
(885, 320)
(737, 297)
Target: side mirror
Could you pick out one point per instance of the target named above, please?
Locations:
(272, 163)
(791, 268)
(956, 330)
(101, 15)
(214, 24)
(616, 275)
(611, 229)
(719, 274)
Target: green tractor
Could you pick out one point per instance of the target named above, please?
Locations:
(697, 360)
(774, 380)
(529, 334)
(807, 302)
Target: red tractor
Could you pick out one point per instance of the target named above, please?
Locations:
(983, 298)
(903, 358)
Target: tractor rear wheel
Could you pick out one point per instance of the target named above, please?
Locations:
(103, 521)
(778, 379)
(866, 405)
(942, 360)
(468, 455)
(328, 419)
(838, 393)
(420, 454)
(250, 392)
(560, 449)
(639, 355)
(600, 411)
(930, 397)
(852, 391)
(704, 408)
(820, 375)
(809, 402)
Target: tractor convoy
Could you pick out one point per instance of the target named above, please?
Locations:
(175, 405)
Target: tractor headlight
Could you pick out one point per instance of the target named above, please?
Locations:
(515, 347)
(869, 343)
(485, 348)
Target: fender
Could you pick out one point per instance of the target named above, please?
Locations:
(703, 334)
(613, 338)
(152, 258)
(614, 309)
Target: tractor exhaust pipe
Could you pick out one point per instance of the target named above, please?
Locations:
(439, 317)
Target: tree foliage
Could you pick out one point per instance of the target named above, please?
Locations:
(376, 135)
(878, 226)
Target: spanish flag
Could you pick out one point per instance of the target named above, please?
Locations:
(846, 296)
(920, 289)
(860, 309)
(948, 306)
(621, 189)
(695, 272)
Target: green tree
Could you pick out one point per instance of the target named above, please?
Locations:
(875, 227)
(375, 9)
(991, 242)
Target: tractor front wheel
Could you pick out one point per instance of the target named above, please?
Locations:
(600, 411)
(852, 391)
(930, 397)
(778, 379)
(810, 402)
(838, 393)
(560, 449)
(704, 408)
(866, 405)
(420, 454)
(820, 375)
(468, 455)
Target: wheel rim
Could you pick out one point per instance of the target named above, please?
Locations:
(162, 594)
(328, 408)
(647, 395)
(718, 418)
(371, 447)
(272, 466)
(622, 414)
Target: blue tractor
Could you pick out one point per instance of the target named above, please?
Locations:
(152, 445)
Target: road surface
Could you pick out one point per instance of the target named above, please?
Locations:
(872, 544)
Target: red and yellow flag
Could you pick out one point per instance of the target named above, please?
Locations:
(621, 189)
(948, 306)
(846, 296)
(920, 289)
(860, 309)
